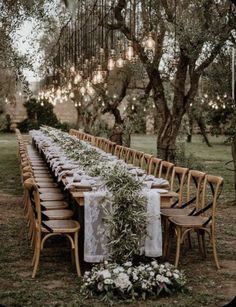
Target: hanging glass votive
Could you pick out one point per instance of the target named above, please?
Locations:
(78, 78)
(111, 61)
(99, 75)
(130, 51)
(120, 62)
(150, 43)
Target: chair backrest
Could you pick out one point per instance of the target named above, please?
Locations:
(195, 188)
(124, 154)
(138, 158)
(131, 156)
(165, 170)
(146, 162)
(212, 188)
(154, 167)
(110, 147)
(117, 151)
(34, 199)
(178, 180)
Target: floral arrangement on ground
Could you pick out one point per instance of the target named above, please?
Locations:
(110, 281)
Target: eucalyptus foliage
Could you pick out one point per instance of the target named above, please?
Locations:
(126, 219)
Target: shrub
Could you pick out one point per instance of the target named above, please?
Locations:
(38, 115)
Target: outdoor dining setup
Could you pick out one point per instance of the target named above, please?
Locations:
(110, 201)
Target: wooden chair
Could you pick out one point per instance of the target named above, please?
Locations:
(203, 220)
(146, 162)
(165, 170)
(154, 167)
(110, 147)
(117, 151)
(131, 156)
(191, 204)
(138, 158)
(124, 154)
(47, 229)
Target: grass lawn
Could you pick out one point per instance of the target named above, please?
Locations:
(57, 284)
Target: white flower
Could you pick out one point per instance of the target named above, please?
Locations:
(135, 277)
(116, 271)
(129, 271)
(152, 273)
(154, 264)
(108, 281)
(122, 281)
(104, 274)
(175, 275)
(162, 279)
(128, 264)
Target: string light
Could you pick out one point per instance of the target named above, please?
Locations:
(150, 43)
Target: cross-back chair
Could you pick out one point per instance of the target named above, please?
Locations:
(47, 229)
(203, 220)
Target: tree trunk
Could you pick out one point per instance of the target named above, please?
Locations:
(166, 140)
(118, 128)
(202, 127)
(190, 132)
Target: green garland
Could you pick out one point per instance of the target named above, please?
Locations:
(127, 217)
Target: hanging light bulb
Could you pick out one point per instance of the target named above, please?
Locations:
(69, 86)
(82, 90)
(120, 62)
(90, 89)
(111, 64)
(78, 78)
(76, 104)
(99, 75)
(150, 43)
(79, 104)
(132, 107)
(111, 61)
(72, 69)
(72, 95)
(130, 51)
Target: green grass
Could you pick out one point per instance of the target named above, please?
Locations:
(9, 167)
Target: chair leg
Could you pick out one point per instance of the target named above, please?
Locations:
(215, 251)
(166, 237)
(37, 254)
(178, 243)
(200, 243)
(203, 244)
(76, 253)
(189, 241)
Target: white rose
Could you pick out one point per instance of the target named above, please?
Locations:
(122, 281)
(116, 271)
(104, 274)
